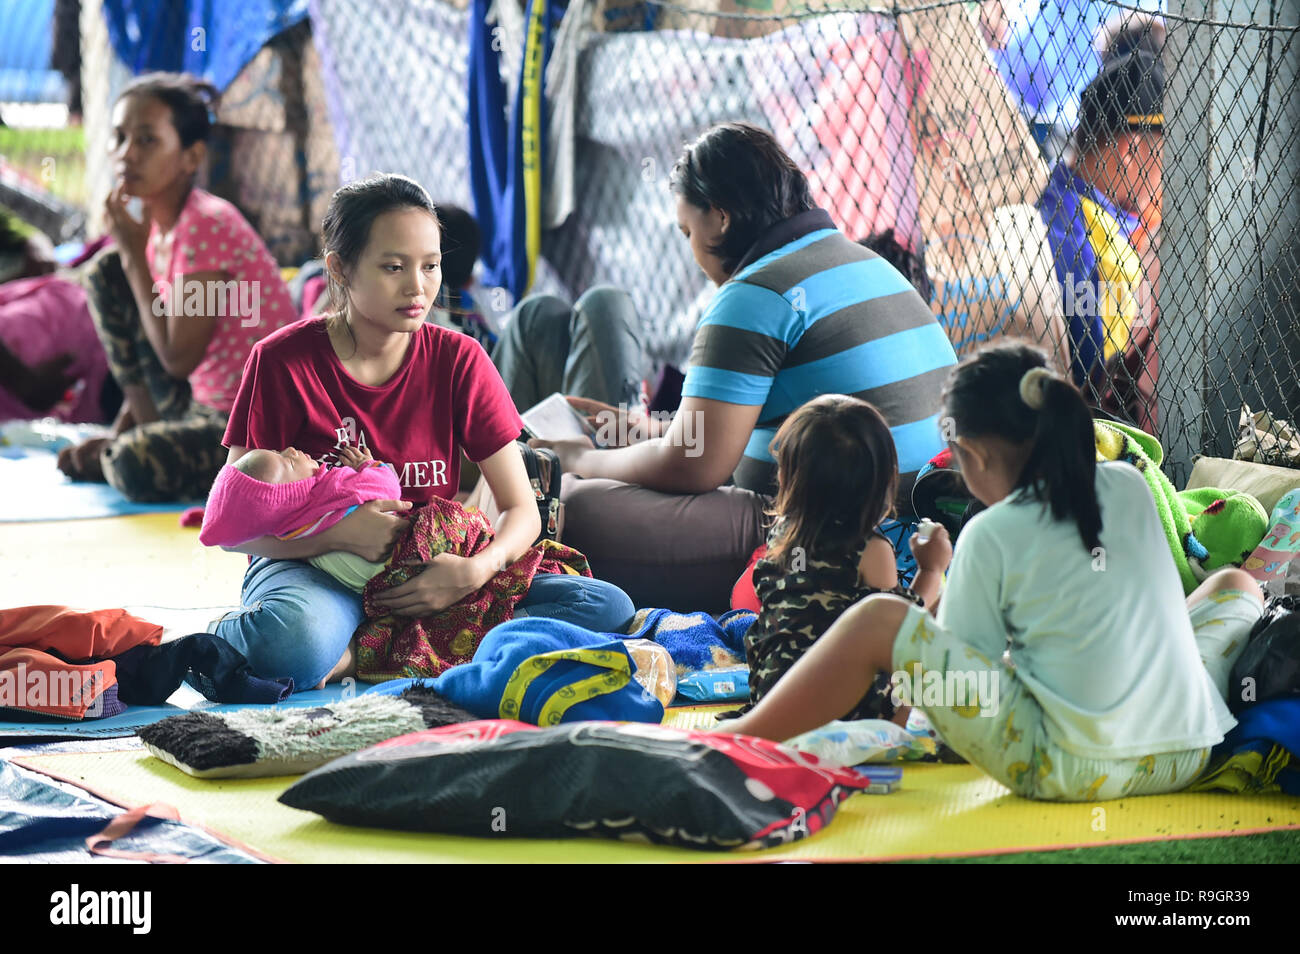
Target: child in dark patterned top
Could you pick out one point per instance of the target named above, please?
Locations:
(837, 473)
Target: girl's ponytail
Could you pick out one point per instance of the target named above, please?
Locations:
(1006, 390)
(1062, 465)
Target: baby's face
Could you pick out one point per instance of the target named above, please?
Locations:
(290, 465)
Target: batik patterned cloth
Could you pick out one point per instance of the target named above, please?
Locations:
(392, 647)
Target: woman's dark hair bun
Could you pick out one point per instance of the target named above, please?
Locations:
(192, 101)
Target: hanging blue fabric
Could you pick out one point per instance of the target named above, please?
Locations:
(209, 39)
(488, 171)
(507, 159)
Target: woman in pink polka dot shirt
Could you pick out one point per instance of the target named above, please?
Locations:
(178, 303)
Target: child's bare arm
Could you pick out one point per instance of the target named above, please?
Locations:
(878, 567)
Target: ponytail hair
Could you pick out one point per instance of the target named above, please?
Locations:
(1007, 390)
(193, 102)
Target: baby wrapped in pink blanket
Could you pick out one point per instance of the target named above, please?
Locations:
(289, 495)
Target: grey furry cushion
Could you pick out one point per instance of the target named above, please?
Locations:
(268, 741)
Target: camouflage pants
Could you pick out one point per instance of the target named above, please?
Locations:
(177, 457)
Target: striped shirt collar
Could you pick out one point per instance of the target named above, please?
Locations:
(785, 232)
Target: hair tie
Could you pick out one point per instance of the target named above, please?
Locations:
(1033, 387)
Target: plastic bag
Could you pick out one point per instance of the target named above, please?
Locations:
(863, 740)
(1269, 666)
(655, 670)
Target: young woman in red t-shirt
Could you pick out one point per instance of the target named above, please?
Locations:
(375, 374)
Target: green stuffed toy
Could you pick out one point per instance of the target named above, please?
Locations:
(1229, 524)
(1206, 528)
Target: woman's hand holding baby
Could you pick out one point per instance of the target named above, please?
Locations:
(370, 531)
(447, 579)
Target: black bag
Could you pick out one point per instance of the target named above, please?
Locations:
(1271, 659)
(544, 473)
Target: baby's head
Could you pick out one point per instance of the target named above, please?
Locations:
(837, 472)
(285, 467)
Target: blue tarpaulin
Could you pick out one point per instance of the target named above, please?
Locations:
(1049, 57)
(45, 821)
(211, 39)
(26, 42)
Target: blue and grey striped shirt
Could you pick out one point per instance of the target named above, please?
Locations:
(810, 312)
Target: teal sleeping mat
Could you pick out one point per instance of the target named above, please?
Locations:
(32, 488)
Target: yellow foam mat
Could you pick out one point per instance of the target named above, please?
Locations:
(940, 810)
(147, 559)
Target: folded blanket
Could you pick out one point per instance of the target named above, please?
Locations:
(393, 647)
(1261, 755)
(696, 641)
(57, 661)
(861, 741)
(546, 671)
(71, 664)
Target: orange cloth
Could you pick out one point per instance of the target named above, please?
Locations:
(34, 680)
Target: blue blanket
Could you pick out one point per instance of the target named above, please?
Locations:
(32, 488)
(696, 640)
(1262, 754)
(544, 672)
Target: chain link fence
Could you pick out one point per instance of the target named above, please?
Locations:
(937, 123)
(928, 129)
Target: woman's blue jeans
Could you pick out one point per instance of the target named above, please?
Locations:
(296, 620)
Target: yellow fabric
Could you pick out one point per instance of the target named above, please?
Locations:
(1247, 772)
(143, 560)
(1119, 269)
(617, 673)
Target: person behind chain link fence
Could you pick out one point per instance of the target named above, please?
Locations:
(674, 514)
(375, 375)
(1102, 211)
(178, 302)
(1063, 659)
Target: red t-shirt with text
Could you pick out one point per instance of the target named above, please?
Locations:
(445, 397)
